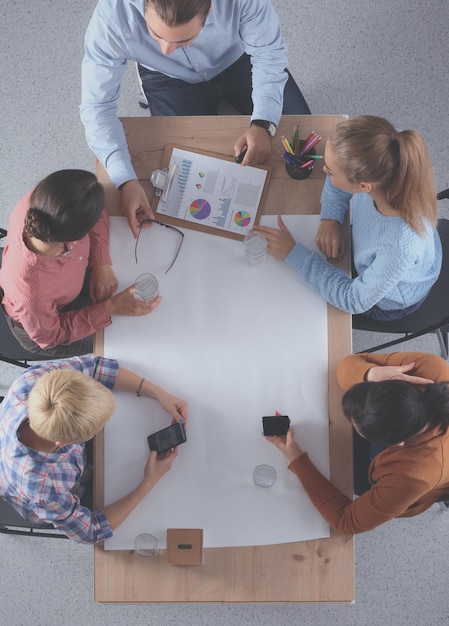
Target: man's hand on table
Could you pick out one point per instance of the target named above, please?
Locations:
(257, 143)
(134, 204)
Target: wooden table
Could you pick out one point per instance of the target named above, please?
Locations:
(321, 570)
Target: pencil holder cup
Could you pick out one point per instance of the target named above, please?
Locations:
(300, 173)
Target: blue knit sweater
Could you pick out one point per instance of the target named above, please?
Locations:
(396, 267)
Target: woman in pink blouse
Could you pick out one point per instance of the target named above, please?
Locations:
(56, 273)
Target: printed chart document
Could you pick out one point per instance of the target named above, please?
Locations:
(212, 194)
(237, 342)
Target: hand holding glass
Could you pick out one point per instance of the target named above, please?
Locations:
(146, 288)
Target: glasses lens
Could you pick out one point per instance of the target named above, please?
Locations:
(169, 227)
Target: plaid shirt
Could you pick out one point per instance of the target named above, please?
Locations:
(42, 486)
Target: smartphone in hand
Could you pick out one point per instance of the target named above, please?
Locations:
(273, 425)
(167, 438)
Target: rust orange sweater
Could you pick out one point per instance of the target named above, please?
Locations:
(406, 480)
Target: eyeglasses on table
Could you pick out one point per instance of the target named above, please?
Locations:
(148, 220)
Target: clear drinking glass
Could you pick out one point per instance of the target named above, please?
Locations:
(264, 476)
(146, 545)
(255, 248)
(146, 288)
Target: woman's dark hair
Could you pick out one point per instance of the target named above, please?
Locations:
(392, 411)
(64, 206)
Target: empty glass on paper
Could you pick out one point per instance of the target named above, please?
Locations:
(146, 545)
(255, 248)
(146, 288)
(264, 476)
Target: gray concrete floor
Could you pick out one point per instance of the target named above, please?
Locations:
(352, 56)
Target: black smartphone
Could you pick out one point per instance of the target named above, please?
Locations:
(275, 425)
(167, 438)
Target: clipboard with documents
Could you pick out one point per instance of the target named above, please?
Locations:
(209, 192)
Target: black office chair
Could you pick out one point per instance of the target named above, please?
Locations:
(10, 349)
(11, 523)
(444, 502)
(431, 317)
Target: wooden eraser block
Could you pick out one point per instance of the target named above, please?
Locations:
(185, 546)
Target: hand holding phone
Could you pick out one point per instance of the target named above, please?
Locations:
(167, 438)
(275, 425)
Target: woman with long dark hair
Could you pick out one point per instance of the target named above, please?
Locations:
(398, 405)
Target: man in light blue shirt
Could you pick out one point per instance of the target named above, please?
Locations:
(190, 55)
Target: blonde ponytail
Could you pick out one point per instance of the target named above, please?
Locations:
(369, 149)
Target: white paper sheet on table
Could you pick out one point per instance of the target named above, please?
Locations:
(237, 342)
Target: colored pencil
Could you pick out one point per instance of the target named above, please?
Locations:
(286, 145)
(311, 143)
(295, 139)
(290, 158)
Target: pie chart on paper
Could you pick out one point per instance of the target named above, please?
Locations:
(242, 218)
(200, 209)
